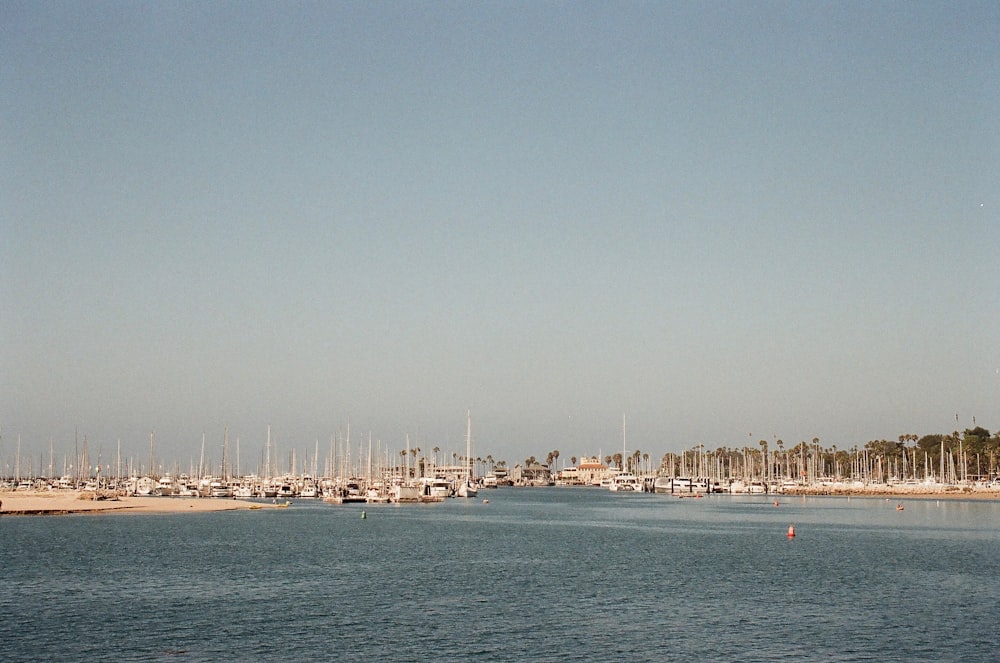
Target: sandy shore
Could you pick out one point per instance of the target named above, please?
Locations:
(64, 502)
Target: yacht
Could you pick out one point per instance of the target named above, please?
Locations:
(626, 483)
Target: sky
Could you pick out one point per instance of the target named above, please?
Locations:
(722, 221)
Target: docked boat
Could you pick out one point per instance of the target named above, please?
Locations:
(218, 488)
(467, 488)
(437, 487)
(626, 483)
(308, 489)
(166, 487)
(663, 485)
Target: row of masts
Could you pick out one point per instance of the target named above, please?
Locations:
(367, 458)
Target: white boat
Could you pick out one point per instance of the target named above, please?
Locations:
(436, 487)
(467, 488)
(680, 485)
(218, 488)
(165, 486)
(188, 489)
(663, 485)
(143, 486)
(626, 483)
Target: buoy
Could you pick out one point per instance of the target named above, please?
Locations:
(363, 515)
(791, 531)
(775, 502)
(486, 501)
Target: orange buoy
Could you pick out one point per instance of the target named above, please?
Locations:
(791, 531)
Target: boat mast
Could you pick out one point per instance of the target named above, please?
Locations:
(468, 446)
(267, 458)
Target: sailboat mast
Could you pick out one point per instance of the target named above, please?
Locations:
(468, 443)
(623, 442)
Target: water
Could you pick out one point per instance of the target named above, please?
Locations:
(543, 574)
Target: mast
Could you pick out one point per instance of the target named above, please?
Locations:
(623, 442)
(225, 453)
(267, 461)
(201, 462)
(468, 446)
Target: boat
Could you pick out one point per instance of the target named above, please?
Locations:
(308, 488)
(663, 485)
(467, 488)
(143, 486)
(436, 487)
(626, 483)
(165, 486)
(218, 488)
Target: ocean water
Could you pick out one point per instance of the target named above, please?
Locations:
(544, 574)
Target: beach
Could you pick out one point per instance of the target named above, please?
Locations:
(30, 503)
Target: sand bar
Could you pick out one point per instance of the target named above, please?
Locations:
(66, 502)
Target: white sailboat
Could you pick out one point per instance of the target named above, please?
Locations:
(624, 481)
(467, 488)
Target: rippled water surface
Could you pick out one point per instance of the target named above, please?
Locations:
(558, 574)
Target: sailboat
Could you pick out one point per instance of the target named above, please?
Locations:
(625, 481)
(467, 488)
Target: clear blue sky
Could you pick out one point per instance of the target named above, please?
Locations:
(729, 221)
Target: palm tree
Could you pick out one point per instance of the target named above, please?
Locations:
(766, 465)
(415, 451)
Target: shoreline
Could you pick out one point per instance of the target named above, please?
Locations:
(44, 503)
(894, 492)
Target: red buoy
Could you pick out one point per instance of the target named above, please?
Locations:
(791, 531)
